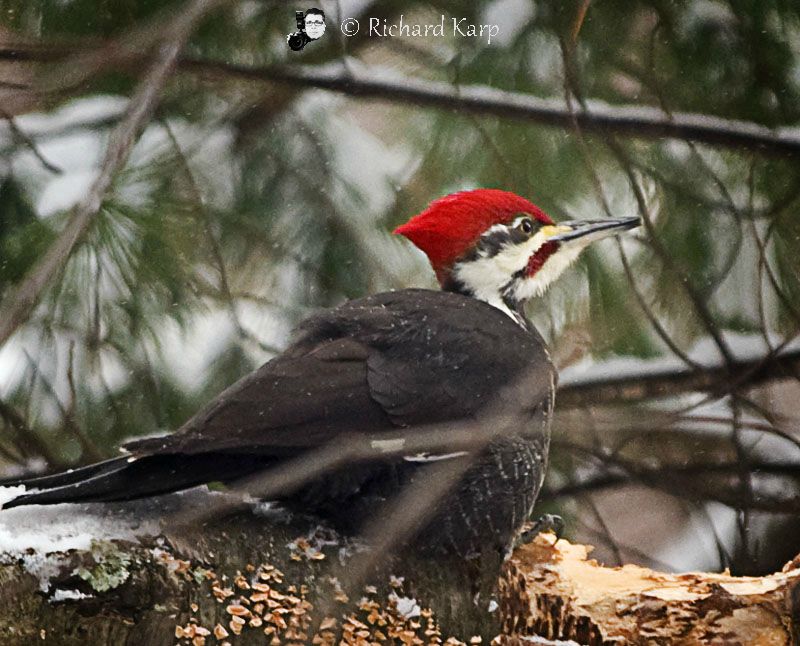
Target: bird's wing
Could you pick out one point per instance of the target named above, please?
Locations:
(398, 359)
(299, 400)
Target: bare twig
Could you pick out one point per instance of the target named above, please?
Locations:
(699, 480)
(649, 314)
(206, 222)
(578, 22)
(19, 135)
(572, 87)
(700, 305)
(605, 531)
(92, 453)
(744, 487)
(67, 412)
(19, 304)
(637, 121)
(470, 435)
(26, 439)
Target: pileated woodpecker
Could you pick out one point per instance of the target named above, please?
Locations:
(381, 371)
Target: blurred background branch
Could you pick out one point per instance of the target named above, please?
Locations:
(385, 84)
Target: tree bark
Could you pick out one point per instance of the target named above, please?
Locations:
(248, 578)
(254, 578)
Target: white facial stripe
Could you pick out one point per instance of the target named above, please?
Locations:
(518, 220)
(553, 267)
(486, 276)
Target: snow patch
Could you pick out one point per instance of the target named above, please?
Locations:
(511, 16)
(38, 536)
(43, 567)
(9, 493)
(59, 528)
(69, 595)
(79, 112)
(65, 191)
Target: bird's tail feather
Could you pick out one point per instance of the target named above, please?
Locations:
(128, 479)
(65, 477)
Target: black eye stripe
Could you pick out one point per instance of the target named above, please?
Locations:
(499, 237)
(493, 242)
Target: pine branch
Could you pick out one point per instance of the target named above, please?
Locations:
(18, 305)
(643, 122)
(639, 386)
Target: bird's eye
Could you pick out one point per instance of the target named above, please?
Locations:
(526, 226)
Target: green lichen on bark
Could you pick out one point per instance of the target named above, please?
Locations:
(110, 569)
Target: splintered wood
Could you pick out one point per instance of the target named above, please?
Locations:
(555, 591)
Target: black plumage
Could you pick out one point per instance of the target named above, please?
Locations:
(380, 367)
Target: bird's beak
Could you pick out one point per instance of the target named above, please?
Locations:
(587, 231)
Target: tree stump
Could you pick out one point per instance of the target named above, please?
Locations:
(129, 574)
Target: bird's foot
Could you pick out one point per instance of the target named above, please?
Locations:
(545, 523)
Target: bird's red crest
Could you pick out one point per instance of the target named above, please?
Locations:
(451, 225)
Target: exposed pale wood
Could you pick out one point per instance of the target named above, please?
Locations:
(557, 591)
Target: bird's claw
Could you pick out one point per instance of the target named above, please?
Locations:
(545, 523)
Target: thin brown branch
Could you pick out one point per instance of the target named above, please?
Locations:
(25, 139)
(605, 532)
(26, 440)
(698, 301)
(699, 480)
(648, 312)
(638, 121)
(90, 451)
(572, 87)
(592, 484)
(494, 420)
(404, 516)
(644, 122)
(644, 385)
(206, 222)
(17, 306)
(578, 23)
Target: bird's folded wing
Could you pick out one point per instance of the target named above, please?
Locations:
(290, 404)
(370, 367)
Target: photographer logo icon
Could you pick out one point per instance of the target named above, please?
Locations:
(310, 26)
